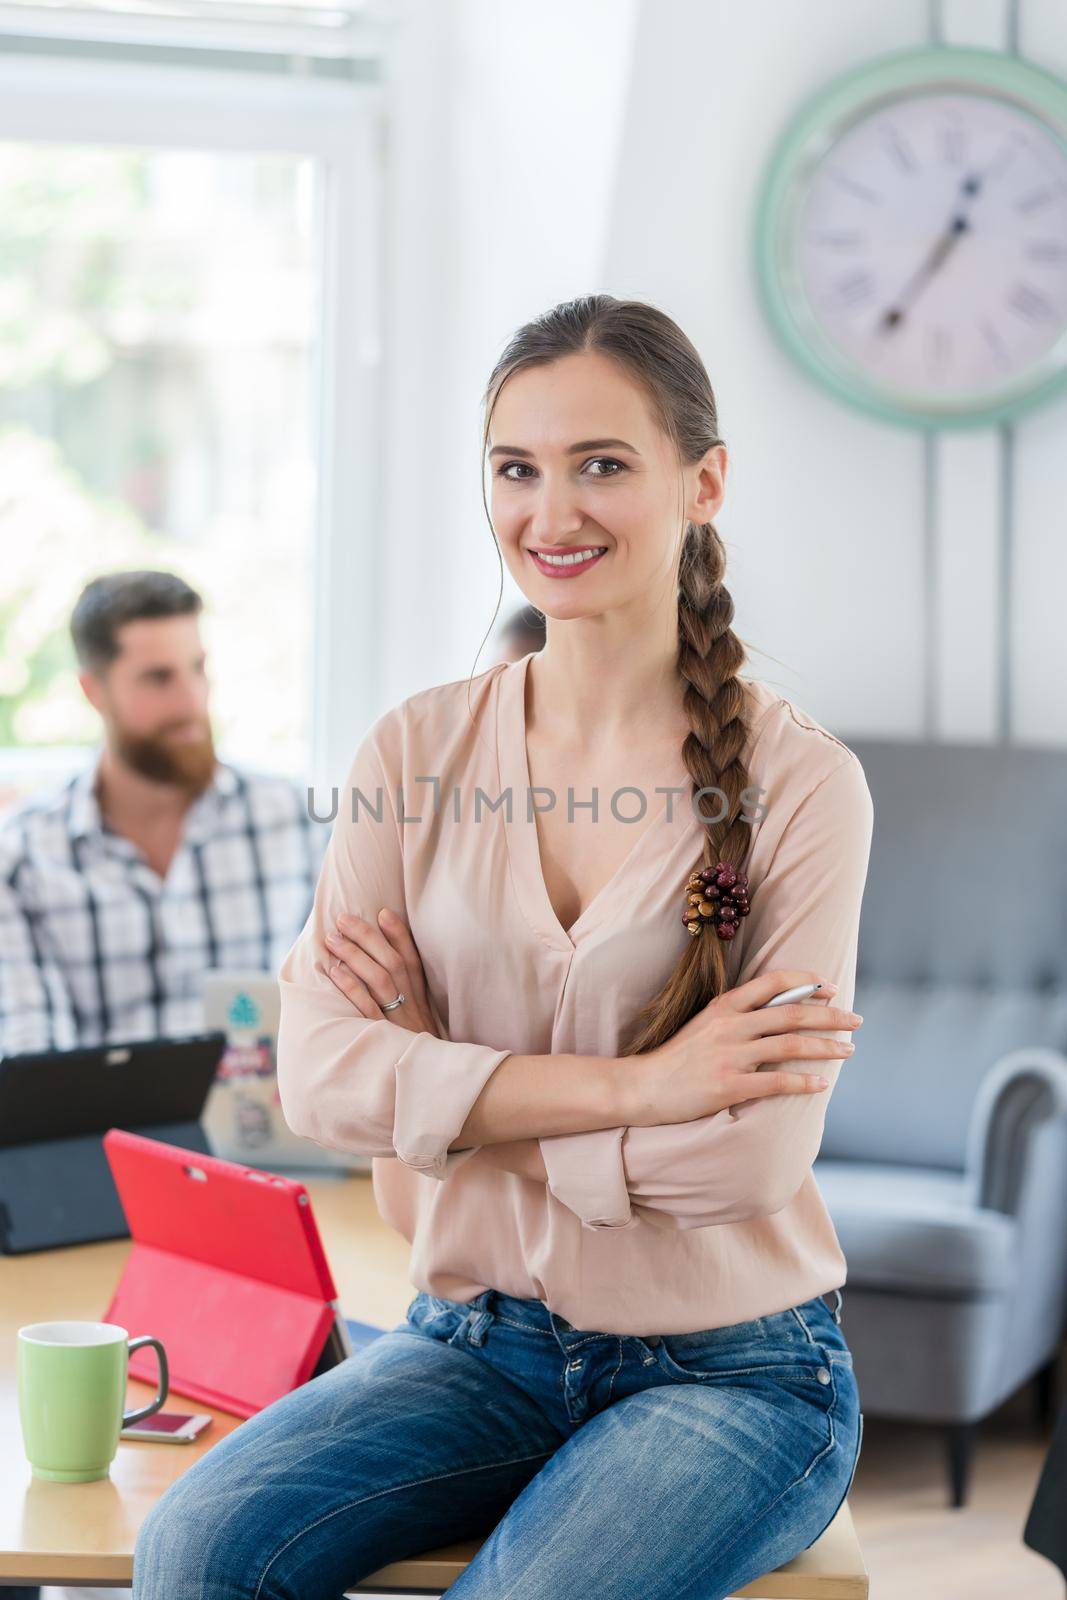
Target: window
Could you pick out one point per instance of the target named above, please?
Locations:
(188, 340)
(157, 327)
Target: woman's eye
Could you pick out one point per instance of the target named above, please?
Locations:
(503, 469)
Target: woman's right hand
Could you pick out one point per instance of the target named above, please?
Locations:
(713, 1060)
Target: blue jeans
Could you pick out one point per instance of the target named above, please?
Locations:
(674, 1467)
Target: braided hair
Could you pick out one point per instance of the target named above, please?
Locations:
(653, 350)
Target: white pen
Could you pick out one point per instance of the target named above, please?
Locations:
(787, 996)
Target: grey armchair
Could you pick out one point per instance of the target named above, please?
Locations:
(944, 1158)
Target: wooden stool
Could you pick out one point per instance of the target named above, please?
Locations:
(830, 1569)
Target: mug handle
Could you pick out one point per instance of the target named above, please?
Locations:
(164, 1380)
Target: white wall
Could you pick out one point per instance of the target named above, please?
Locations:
(548, 151)
(508, 129)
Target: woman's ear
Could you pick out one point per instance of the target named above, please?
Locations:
(709, 485)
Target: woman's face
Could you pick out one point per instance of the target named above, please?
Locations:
(620, 492)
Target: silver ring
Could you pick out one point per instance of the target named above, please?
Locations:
(391, 1005)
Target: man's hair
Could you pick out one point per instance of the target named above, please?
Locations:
(107, 603)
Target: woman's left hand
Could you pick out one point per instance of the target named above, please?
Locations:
(376, 963)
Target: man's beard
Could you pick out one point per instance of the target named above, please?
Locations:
(187, 765)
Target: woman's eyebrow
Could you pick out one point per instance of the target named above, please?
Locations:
(572, 450)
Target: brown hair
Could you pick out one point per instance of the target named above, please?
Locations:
(108, 602)
(651, 348)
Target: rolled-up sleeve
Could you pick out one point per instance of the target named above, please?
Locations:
(747, 1160)
(355, 1083)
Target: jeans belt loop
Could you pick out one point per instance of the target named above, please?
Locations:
(478, 1326)
(837, 1309)
(479, 1318)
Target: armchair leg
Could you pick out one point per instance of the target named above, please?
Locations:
(1045, 1394)
(961, 1441)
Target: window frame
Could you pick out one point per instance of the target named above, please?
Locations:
(341, 124)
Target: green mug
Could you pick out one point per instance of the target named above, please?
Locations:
(71, 1391)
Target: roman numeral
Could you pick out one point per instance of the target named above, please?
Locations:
(852, 290)
(1030, 303)
(860, 190)
(1053, 250)
(899, 148)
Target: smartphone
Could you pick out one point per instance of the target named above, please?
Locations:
(169, 1427)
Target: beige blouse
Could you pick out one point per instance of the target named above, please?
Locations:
(639, 1230)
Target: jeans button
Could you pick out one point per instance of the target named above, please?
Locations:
(822, 1375)
(652, 1340)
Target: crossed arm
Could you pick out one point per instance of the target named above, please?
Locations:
(388, 1089)
(747, 1160)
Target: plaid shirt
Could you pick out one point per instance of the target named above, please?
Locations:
(95, 947)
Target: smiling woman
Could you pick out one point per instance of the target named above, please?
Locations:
(594, 1132)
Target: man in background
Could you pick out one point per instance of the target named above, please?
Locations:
(121, 887)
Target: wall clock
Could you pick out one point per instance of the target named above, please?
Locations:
(911, 237)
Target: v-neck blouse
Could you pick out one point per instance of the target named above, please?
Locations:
(644, 856)
(639, 1230)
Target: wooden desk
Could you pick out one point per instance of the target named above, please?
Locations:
(84, 1533)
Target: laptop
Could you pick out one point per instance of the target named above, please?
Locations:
(228, 1270)
(243, 1117)
(56, 1187)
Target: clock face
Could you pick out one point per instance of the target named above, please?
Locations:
(912, 236)
(931, 244)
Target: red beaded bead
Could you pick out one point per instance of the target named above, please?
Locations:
(717, 895)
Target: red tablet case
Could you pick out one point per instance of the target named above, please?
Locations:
(226, 1269)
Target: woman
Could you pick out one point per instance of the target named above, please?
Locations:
(619, 1365)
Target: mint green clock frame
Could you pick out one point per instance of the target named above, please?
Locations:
(811, 133)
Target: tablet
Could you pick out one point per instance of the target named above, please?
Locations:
(56, 1187)
(228, 1271)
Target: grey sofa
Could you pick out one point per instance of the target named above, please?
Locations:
(944, 1158)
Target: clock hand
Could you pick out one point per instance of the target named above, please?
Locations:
(894, 315)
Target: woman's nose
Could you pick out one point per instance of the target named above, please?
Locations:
(556, 515)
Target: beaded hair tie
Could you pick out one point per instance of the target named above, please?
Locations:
(717, 895)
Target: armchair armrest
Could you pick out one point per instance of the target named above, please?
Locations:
(1024, 1090)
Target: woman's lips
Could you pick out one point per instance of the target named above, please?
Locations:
(573, 569)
